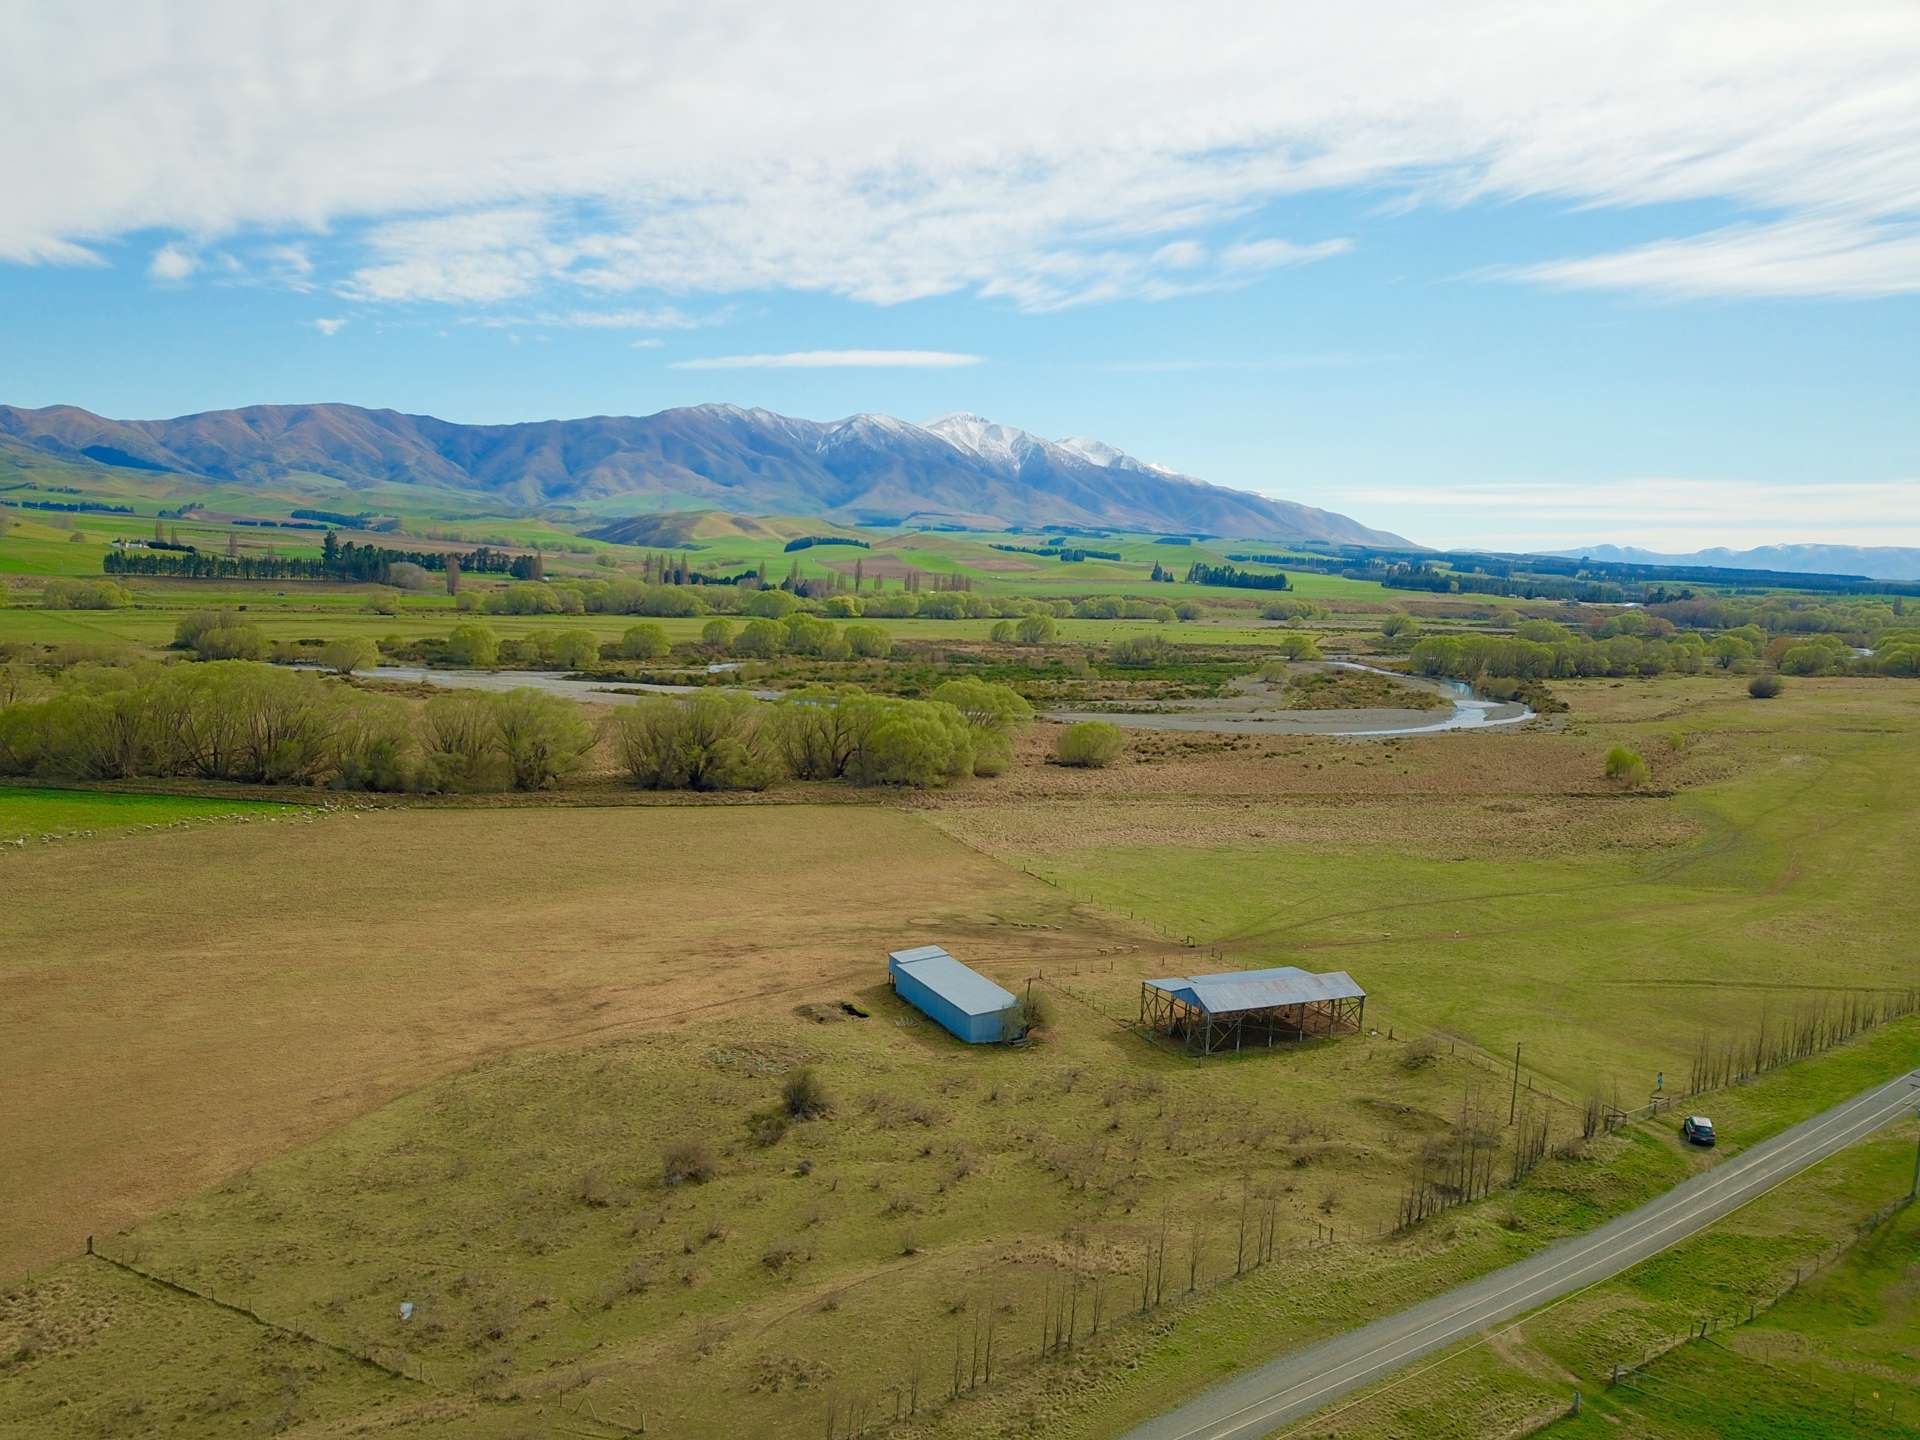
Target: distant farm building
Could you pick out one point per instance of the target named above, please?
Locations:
(957, 999)
(1217, 1013)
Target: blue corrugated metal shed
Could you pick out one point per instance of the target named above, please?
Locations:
(960, 1000)
(1274, 988)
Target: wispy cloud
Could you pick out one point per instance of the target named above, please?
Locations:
(1820, 257)
(833, 360)
(662, 317)
(172, 263)
(329, 325)
(1007, 173)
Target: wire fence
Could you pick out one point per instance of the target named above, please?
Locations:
(1713, 1322)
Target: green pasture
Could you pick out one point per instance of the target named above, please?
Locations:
(37, 810)
(1606, 966)
(316, 611)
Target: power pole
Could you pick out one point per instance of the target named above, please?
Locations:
(1513, 1108)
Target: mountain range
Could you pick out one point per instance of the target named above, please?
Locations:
(1876, 562)
(867, 469)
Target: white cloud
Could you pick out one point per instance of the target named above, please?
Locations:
(172, 263)
(1276, 254)
(833, 359)
(647, 342)
(1670, 514)
(329, 325)
(663, 317)
(1793, 257)
(1044, 160)
(289, 265)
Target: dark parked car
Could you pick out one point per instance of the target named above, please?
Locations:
(1698, 1129)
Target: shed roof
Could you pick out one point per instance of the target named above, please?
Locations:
(1259, 989)
(918, 953)
(971, 992)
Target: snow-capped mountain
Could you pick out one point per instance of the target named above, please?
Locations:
(867, 468)
(1098, 452)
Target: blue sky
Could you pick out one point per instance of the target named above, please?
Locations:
(1652, 278)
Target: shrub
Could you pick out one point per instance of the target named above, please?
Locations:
(461, 745)
(781, 1254)
(646, 642)
(1090, 743)
(1420, 1053)
(762, 639)
(83, 595)
(688, 1161)
(767, 1127)
(1286, 610)
(911, 742)
(1297, 647)
(1001, 633)
(1035, 630)
(1029, 1013)
(717, 634)
(231, 642)
(1141, 652)
(349, 653)
(804, 1095)
(1765, 687)
(570, 649)
(405, 575)
(869, 642)
(543, 738)
(530, 597)
(711, 741)
(994, 712)
(473, 645)
(808, 635)
(374, 746)
(771, 604)
(1626, 767)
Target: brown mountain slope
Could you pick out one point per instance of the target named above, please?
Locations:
(869, 468)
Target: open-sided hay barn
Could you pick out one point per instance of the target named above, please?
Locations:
(960, 1000)
(1215, 1013)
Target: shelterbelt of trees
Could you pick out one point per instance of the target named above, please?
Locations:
(238, 720)
(632, 597)
(1640, 642)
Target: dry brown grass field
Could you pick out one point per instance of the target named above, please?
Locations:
(249, 987)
